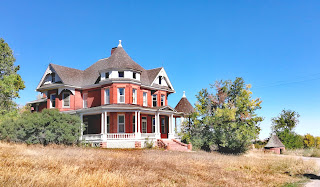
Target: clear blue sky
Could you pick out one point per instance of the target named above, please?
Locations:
(273, 45)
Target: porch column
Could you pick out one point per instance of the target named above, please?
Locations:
(105, 122)
(171, 131)
(102, 123)
(136, 122)
(81, 127)
(157, 129)
(139, 128)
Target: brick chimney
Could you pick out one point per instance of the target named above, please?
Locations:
(113, 49)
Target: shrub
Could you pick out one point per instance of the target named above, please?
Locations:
(46, 127)
(309, 141)
(148, 143)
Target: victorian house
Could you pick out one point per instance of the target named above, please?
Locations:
(120, 103)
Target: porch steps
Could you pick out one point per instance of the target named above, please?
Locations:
(175, 145)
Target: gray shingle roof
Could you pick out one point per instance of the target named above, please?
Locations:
(274, 141)
(118, 60)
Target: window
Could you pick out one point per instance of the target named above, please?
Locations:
(85, 100)
(134, 96)
(145, 101)
(121, 123)
(121, 74)
(144, 124)
(53, 77)
(133, 123)
(121, 98)
(153, 125)
(154, 100)
(163, 130)
(66, 100)
(134, 75)
(52, 100)
(163, 98)
(160, 78)
(107, 75)
(108, 125)
(107, 96)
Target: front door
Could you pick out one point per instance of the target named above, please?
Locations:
(163, 127)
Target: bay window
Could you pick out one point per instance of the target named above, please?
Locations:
(134, 96)
(121, 95)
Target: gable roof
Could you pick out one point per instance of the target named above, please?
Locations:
(274, 141)
(184, 106)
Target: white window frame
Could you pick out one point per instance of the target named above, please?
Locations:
(54, 100)
(107, 96)
(144, 119)
(124, 123)
(134, 75)
(108, 124)
(85, 100)
(134, 96)
(145, 99)
(155, 100)
(163, 125)
(163, 100)
(153, 125)
(124, 95)
(63, 97)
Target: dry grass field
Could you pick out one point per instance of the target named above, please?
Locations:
(22, 165)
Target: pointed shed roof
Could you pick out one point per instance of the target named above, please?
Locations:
(274, 141)
(184, 106)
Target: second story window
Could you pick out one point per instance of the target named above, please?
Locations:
(145, 101)
(107, 75)
(134, 75)
(163, 97)
(52, 100)
(120, 74)
(121, 95)
(53, 77)
(134, 96)
(66, 100)
(154, 100)
(107, 97)
(85, 100)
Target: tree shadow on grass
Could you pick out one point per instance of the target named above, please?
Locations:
(312, 176)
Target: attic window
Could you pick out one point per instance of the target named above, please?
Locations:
(107, 75)
(53, 77)
(134, 75)
(160, 78)
(121, 74)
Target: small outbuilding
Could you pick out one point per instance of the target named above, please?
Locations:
(275, 145)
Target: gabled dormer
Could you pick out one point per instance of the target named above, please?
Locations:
(162, 79)
(49, 77)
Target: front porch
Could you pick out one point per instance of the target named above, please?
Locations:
(128, 126)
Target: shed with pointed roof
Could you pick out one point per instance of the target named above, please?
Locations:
(275, 145)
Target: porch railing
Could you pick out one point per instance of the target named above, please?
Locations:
(120, 136)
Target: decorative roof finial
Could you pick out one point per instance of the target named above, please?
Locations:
(119, 44)
(184, 94)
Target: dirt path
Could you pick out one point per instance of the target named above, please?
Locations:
(315, 180)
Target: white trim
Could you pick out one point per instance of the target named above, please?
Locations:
(144, 119)
(64, 98)
(155, 100)
(145, 101)
(134, 96)
(163, 73)
(164, 100)
(54, 101)
(124, 122)
(153, 125)
(72, 90)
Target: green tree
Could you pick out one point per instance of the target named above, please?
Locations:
(10, 81)
(226, 118)
(46, 127)
(317, 140)
(284, 125)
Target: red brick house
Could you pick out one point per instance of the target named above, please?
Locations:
(119, 102)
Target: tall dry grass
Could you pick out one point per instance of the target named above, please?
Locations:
(22, 165)
(311, 152)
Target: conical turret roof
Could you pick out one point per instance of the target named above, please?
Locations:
(274, 141)
(184, 106)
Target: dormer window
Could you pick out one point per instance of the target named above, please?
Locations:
(53, 77)
(107, 75)
(160, 78)
(134, 75)
(121, 74)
